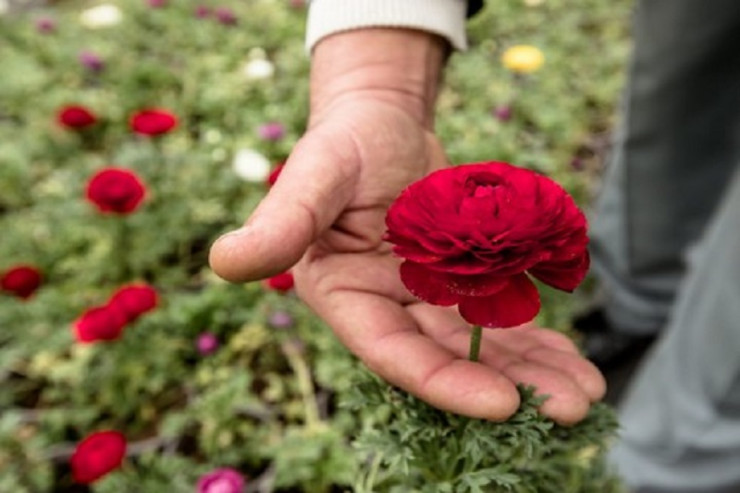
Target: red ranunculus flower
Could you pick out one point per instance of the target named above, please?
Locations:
(134, 300)
(282, 282)
(115, 190)
(97, 455)
(470, 235)
(21, 281)
(272, 178)
(101, 323)
(76, 117)
(153, 122)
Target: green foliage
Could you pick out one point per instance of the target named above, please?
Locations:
(411, 446)
(265, 402)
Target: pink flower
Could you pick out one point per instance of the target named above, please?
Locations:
(271, 131)
(206, 343)
(503, 113)
(226, 16)
(46, 25)
(91, 61)
(202, 11)
(223, 480)
(281, 320)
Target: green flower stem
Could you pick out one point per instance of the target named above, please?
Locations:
(371, 478)
(305, 384)
(475, 336)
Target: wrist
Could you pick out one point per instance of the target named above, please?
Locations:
(402, 67)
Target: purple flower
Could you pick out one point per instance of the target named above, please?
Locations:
(207, 343)
(91, 61)
(224, 480)
(503, 113)
(226, 16)
(281, 320)
(577, 164)
(271, 131)
(157, 3)
(46, 25)
(202, 11)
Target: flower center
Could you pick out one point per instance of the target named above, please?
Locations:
(483, 191)
(119, 193)
(481, 186)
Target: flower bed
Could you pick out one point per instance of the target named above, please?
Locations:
(131, 135)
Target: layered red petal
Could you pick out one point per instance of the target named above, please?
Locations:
(517, 303)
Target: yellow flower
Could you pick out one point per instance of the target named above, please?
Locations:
(523, 59)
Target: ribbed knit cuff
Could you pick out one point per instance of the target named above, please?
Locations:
(443, 17)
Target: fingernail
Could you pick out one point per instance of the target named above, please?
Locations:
(237, 233)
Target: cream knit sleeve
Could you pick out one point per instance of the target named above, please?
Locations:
(443, 17)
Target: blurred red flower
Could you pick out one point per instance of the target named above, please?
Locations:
(76, 117)
(275, 174)
(472, 235)
(153, 122)
(134, 300)
(282, 282)
(101, 323)
(97, 455)
(21, 281)
(115, 190)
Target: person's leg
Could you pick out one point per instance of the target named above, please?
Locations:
(681, 417)
(674, 155)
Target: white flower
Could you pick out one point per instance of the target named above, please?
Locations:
(212, 136)
(4, 7)
(250, 165)
(259, 69)
(533, 3)
(101, 16)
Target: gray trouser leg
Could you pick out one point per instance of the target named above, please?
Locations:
(674, 155)
(681, 417)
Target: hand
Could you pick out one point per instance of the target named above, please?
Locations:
(370, 135)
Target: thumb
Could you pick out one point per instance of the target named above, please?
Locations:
(313, 189)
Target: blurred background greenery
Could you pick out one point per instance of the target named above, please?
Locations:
(268, 401)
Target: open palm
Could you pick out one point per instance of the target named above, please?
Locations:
(326, 216)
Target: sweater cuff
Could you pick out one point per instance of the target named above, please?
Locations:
(445, 18)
